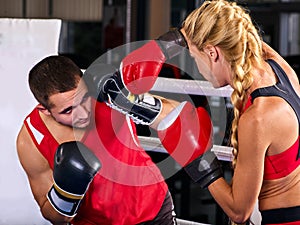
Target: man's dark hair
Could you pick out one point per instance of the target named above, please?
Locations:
(52, 75)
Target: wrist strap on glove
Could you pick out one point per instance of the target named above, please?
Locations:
(65, 203)
(205, 169)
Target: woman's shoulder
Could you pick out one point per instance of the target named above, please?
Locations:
(266, 107)
(268, 113)
(272, 117)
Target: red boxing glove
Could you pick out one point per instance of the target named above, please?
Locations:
(186, 133)
(141, 67)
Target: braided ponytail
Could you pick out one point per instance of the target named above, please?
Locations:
(242, 80)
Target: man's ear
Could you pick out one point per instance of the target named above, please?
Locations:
(212, 52)
(44, 110)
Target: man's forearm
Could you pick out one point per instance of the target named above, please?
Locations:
(53, 216)
(167, 106)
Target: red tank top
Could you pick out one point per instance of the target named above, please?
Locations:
(129, 188)
(282, 164)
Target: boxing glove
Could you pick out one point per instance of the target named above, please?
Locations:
(74, 169)
(140, 69)
(186, 133)
(95, 76)
(142, 109)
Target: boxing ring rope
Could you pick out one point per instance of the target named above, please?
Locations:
(193, 87)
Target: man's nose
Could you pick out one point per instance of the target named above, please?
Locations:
(82, 111)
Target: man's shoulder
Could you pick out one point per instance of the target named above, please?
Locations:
(23, 132)
(24, 140)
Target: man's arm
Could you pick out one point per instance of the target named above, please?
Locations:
(167, 106)
(40, 176)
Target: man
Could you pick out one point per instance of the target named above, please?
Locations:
(82, 158)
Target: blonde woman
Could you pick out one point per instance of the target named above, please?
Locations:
(228, 50)
(265, 132)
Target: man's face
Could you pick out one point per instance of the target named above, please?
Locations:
(72, 108)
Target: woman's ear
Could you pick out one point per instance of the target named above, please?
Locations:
(212, 52)
(42, 109)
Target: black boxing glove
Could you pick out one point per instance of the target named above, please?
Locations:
(74, 169)
(105, 84)
(95, 76)
(142, 109)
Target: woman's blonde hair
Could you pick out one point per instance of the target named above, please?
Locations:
(228, 26)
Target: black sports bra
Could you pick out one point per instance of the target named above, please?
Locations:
(283, 88)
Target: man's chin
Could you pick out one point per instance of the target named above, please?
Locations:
(81, 125)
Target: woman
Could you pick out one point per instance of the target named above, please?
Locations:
(228, 50)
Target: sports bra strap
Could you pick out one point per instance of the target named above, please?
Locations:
(283, 88)
(283, 78)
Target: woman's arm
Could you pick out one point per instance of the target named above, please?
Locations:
(238, 199)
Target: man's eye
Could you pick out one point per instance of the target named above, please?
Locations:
(69, 111)
(85, 98)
